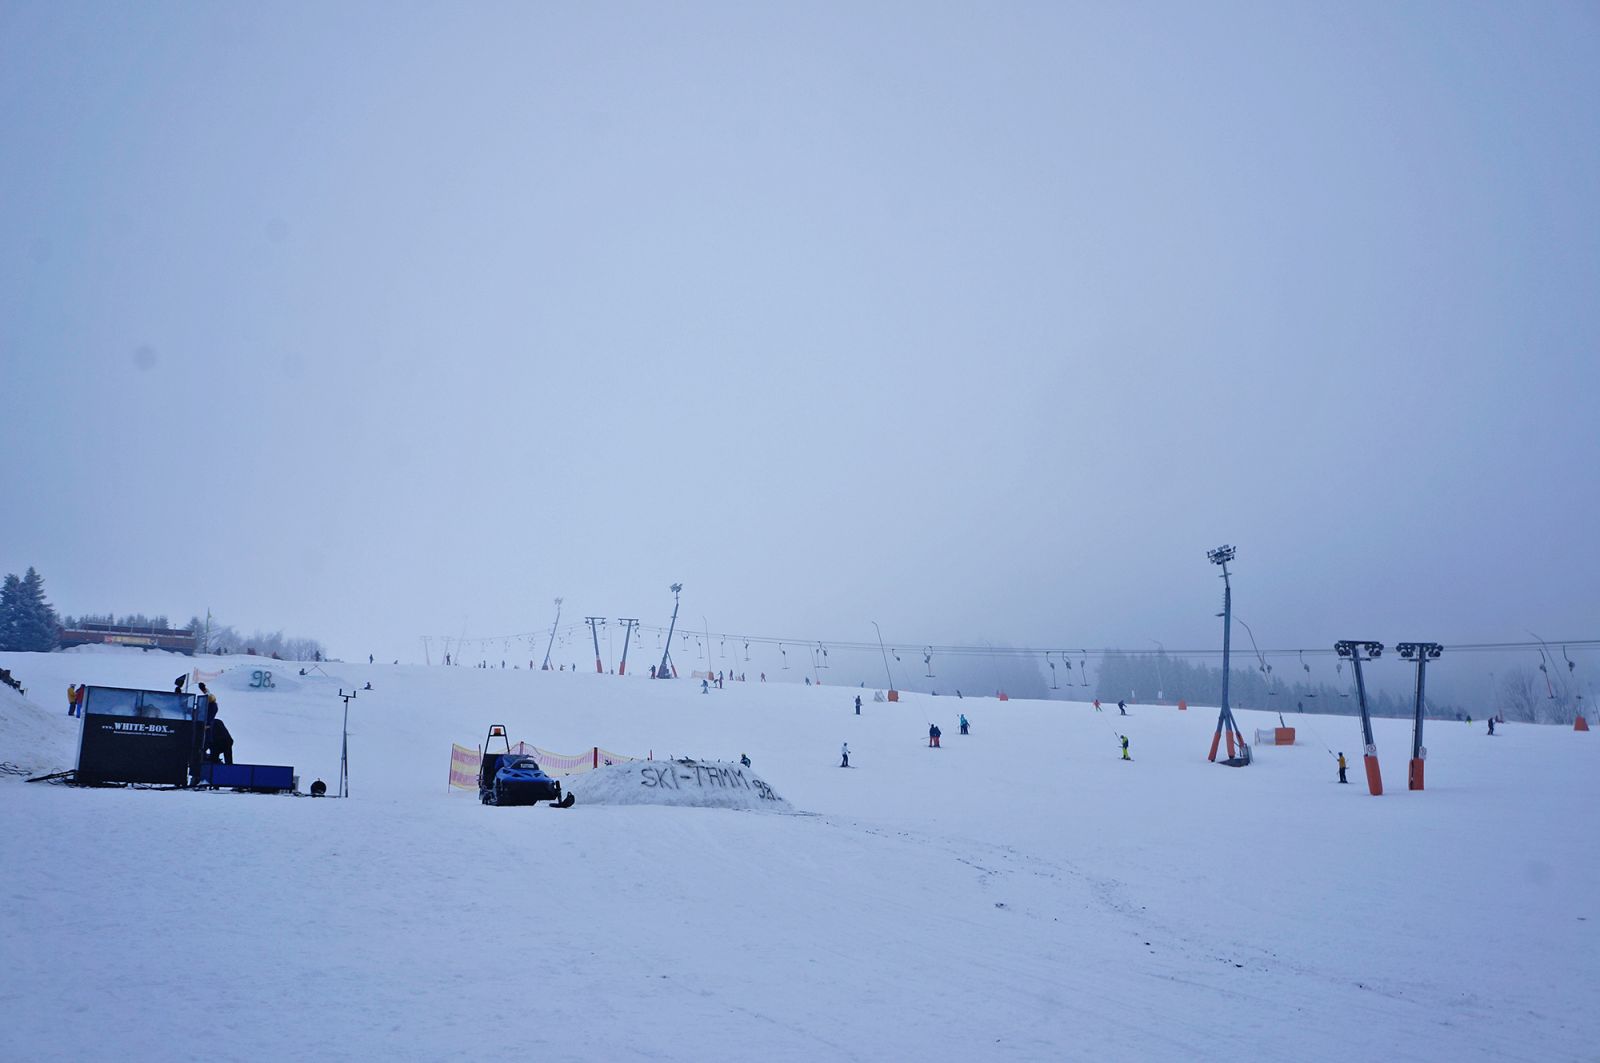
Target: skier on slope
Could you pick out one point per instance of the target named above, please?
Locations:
(1097, 705)
(1491, 725)
(858, 704)
(1122, 707)
(844, 755)
(705, 687)
(1341, 767)
(1125, 747)
(933, 736)
(963, 723)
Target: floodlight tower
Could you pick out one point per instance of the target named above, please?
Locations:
(632, 622)
(666, 651)
(556, 623)
(1352, 650)
(1225, 722)
(344, 744)
(1422, 653)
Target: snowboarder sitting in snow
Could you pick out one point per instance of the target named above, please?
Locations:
(6, 678)
(844, 755)
(963, 723)
(1125, 747)
(1341, 768)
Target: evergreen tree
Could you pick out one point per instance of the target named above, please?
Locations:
(37, 627)
(10, 609)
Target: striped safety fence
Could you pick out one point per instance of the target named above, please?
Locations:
(465, 761)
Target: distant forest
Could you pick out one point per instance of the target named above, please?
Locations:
(1520, 694)
(1139, 677)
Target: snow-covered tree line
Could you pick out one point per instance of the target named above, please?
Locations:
(1523, 694)
(30, 624)
(224, 638)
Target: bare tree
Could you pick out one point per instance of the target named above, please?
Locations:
(1521, 696)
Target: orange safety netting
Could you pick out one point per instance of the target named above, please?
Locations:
(463, 767)
(561, 764)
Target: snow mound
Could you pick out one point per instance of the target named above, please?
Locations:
(34, 739)
(695, 783)
(266, 676)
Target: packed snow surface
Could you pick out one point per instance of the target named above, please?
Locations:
(1020, 894)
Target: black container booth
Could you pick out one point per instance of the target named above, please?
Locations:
(138, 736)
(158, 737)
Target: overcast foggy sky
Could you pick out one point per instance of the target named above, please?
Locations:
(982, 321)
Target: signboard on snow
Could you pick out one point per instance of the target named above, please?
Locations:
(698, 783)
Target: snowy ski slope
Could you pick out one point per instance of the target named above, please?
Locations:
(1020, 894)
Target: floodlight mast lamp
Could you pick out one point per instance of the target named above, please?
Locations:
(1225, 723)
(662, 671)
(1421, 653)
(1352, 650)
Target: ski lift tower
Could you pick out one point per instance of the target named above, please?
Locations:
(1225, 722)
(1352, 650)
(666, 651)
(894, 695)
(632, 622)
(554, 624)
(1421, 653)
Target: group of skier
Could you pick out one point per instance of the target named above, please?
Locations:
(935, 734)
